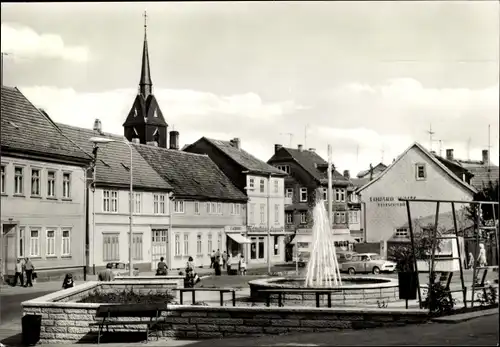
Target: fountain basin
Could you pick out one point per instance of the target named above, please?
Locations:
(355, 290)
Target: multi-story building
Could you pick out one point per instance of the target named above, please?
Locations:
(308, 174)
(205, 207)
(264, 186)
(416, 174)
(109, 209)
(43, 192)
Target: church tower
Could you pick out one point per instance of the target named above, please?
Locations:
(145, 123)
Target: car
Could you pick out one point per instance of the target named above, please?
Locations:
(344, 256)
(122, 269)
(367, 263)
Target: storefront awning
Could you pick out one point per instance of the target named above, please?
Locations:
(239, 238)
(301, 239)
(344, 237)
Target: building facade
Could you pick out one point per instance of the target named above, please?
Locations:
(205, 205)
(415, 174)
(109, 209)
(43, 192)
(264, 185)
(308, 174)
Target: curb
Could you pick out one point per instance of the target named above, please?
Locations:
(463, 317)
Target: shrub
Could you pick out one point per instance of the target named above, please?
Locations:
(439, 300)
(127, 297)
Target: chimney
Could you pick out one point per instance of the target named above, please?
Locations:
(312, 150)
(347, 174)
(277, 147)
(236, 143)
(299, 147)
(486, 156)
(152, 143)
(174, 140)
(136, 140)
(449, 154)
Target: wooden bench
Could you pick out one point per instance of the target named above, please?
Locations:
(193, 291)
(281, 294)
(107, 315)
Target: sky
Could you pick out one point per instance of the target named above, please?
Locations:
(368, 78)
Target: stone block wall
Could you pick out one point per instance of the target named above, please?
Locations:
(66, 322)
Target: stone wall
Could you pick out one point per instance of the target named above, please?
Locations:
(65, 322)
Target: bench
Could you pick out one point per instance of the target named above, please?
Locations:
(281, 294)
(108, 314)
(480, 281)
(193, 291)
(444, 279)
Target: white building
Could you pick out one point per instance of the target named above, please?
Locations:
(416, 173)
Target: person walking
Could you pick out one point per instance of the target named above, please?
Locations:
(217, 266)
(106, 275)
(243, 266)
(224, 259)
(19, 272)
(212, 259)
(28, 269)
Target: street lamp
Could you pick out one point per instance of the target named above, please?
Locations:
(103, 140)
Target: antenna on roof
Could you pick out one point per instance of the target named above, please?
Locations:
(468, 148)
(290, 136)
(430, 132)
(305, 135)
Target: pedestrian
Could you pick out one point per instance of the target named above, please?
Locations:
(224, 259)
(217, 266)
(243, 266)
(212, 259)
(68, 281)
(481, 258)
(106, 275)
(162, 268)
(470, 265)
(19, 272)
(28, 269)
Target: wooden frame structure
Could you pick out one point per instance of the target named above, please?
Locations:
(434, 243)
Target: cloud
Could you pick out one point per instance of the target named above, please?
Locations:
(24, 42)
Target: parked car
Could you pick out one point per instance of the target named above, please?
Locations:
(122, 269)
(366, 263)
(344, 256)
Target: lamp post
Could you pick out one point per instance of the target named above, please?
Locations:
(103, 140)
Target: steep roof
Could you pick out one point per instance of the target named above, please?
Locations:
(25, 129)
(113, 161)
(483, 173)
(379, 168)
(432, 158)
(191, 175)
(243, 158)
(312, 163)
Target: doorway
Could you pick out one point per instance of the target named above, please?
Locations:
(8, 250)
(158, 246)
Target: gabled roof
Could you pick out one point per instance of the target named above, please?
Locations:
(311, 162)
(483, 173)
(25, 129)
(432, 158)
(191, 175)
(243, 158)
(113, 161)
(380, 167)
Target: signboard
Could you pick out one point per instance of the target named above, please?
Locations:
(262, 229)
(390, 201)
(235, 229)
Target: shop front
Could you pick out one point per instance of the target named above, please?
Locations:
(260, 239)
(236, 241)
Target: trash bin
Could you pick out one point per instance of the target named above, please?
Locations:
(31, 325)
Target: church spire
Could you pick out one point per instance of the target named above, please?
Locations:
(145, 84)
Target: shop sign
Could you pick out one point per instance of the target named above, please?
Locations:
(390, 201)
(261, 229)
(235, 229)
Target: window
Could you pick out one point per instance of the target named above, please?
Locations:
(402, 232)
(353, 217)
(342, 217)
(137, 203)
(198, 245)
(177, 244)
(67, 186)
(156, 203)
(179, 206)
(340, 194)
(213, 207)
(289, 217)
(262, 186)
(105, 201)
(50, 249)
(235, 209)
(110, 201)
(35, 243)
(276, 213)
(18, 180)
(219, 208)
(262, 213)
(276, 246)
(420, 172)
(162, 204)
(159, 236)
(289, 193)
(21, 242)
(66, 243)
(209, 243)
(251, 214)
(137, 246)
(208, 208)
(196, 207)
(303, 217)
(285, 168)
(111, 247)
(303, 194)
(51, 184)
(325, 194)
(339, 217)
(186, 244)
(261, 247)
(276, 186)
(35, 182)
(251, 183)
(2, 180)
